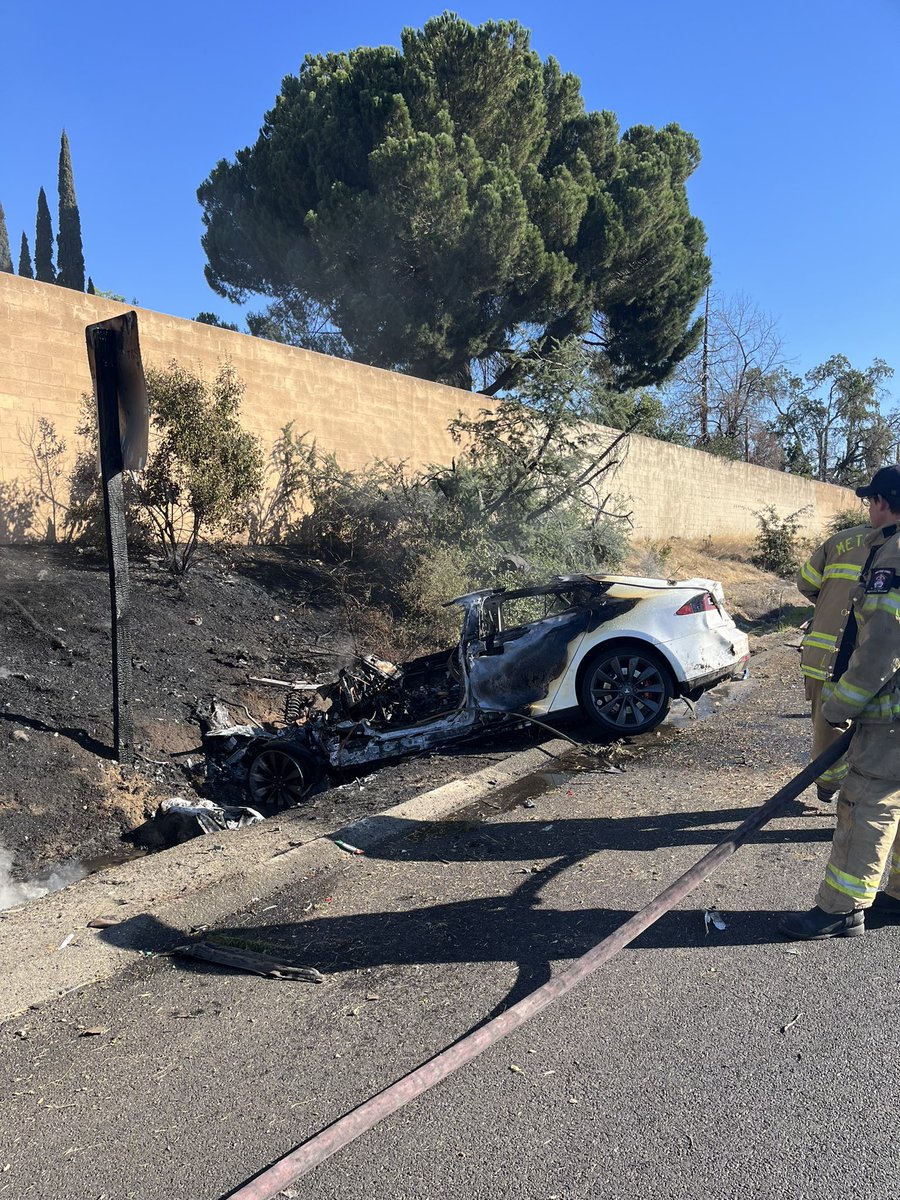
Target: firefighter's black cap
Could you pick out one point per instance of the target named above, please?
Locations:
(885, 482)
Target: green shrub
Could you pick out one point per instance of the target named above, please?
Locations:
(778, 545)
(203, 467)
(202, 470)
(846, 518)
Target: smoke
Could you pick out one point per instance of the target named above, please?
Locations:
(13, 894)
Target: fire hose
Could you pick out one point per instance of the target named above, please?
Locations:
(359, 1120)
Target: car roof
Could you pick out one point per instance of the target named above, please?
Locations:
(616, 585)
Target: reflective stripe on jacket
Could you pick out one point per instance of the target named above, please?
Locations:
(869, 689)
(827, 578)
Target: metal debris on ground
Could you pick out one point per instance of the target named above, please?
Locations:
(712, 916)
(203, 816)
(791, 1024)
(247, 960)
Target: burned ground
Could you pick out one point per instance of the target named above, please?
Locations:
(236, 615)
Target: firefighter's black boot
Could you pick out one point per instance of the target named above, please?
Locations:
(823, 795)
(817, 924)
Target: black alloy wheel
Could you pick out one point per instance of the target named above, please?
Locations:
(280, 776)
(626, 690)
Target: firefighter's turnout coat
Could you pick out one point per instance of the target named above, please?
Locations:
(827, 578)
(865, 688)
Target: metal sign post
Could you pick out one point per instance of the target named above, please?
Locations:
(123, 425)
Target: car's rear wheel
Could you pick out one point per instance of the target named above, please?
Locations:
(625, 689)
(280, 776)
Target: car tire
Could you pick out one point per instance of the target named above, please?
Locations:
(280, 776)
(625, 689)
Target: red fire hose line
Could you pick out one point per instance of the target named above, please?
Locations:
(334, 1137)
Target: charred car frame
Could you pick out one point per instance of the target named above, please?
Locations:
(617, 648)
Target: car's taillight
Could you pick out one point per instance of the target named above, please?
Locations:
(703, 602)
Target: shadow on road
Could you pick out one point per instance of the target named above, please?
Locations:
(522, 927)
(469, 838)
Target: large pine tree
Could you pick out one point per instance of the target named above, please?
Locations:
(5, 256)
(25, 268)
(451, 209)
(43, 242)
(70, 258)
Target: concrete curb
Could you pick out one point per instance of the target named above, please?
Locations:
(47, 949)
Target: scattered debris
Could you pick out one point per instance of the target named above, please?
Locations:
(247, 960)
(791, 1024)
(103, 922)
(191, 817)
(92, 1030)
(67, 941)
(712, 916)
(346, 846)
(216, 722)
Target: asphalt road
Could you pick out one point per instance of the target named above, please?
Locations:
(697, 1063)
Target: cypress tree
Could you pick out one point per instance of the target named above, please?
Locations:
(5, 256)
(91, 290)
(70, 257)
(43, 242)
(25, 268)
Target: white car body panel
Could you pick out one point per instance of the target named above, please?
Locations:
(695, 646)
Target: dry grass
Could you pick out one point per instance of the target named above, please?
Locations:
(725, 559)
(127, 793)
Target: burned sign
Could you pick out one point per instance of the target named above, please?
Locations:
(617, 648)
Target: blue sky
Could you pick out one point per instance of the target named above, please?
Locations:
(796, 105)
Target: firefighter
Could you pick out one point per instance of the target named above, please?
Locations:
(865, 689)
(827, 578)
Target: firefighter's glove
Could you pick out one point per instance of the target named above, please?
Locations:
(840, 726)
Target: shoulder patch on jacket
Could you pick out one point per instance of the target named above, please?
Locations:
(882, 580)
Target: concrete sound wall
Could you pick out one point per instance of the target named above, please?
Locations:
(359, 412)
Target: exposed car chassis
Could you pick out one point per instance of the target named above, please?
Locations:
(502, 671)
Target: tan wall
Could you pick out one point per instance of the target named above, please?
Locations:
(680, 492)
(361, 413)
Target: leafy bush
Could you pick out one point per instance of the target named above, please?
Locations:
(203, 467)
(778, 546)
(202, 470)
(846, 518)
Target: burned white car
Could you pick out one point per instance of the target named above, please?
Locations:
(615, 647)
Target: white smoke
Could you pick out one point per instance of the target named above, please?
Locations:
(13, 894)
